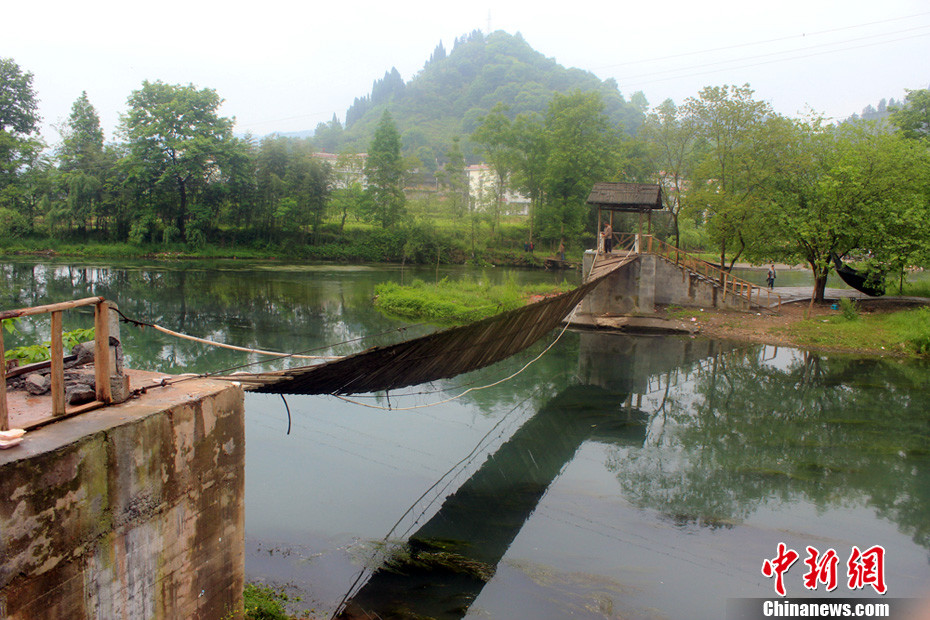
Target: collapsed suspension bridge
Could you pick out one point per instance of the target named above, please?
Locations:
(440, 355)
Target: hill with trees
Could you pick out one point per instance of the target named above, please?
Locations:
(454, 90)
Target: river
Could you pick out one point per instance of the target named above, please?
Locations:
(614, 477)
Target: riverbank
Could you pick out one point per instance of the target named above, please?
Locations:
(886, 327)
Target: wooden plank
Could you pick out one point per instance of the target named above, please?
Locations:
(65, 305)
(69, 412)
(102, 351)
(58, 369)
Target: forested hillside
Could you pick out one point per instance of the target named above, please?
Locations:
(448, 97)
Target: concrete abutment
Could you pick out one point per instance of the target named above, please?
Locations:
(131, 511)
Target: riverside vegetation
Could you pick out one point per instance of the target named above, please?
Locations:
(457, 302)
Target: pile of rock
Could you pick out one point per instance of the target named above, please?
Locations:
(80, 383)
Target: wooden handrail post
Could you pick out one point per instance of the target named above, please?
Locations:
(4, 412)
(57, 366)
(102, 351)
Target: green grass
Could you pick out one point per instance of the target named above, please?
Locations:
(456, 302)
(906, 332)
(916, 289)
(264, 603)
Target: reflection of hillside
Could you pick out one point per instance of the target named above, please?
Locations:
(757, 425)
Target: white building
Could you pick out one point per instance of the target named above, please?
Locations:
(348, 168)
(482, 188)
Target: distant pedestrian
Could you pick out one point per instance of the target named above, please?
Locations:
(562, 250)
(771, 277)
(608, 238)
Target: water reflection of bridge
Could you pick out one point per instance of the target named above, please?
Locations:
(447, 562)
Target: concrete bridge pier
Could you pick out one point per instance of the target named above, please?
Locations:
(131, 511)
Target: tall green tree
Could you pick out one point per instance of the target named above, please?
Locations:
(737, 159)
(671, 140)
(913, 117)
(582, 147)
(532, 151)
(495, 140)
(81, 164)
(178, 145)
(19, 143)
(455, 180)
(385, 170)
(853, 189)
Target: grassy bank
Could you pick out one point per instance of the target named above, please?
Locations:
(456, 302)
(370, 247)
(905, 332)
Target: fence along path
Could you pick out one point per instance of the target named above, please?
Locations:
(729, 284)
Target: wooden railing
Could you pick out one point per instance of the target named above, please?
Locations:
(730, 284)
(101, 356)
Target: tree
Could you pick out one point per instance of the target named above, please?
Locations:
(178, 145)
(913, 118)
(532, 150)
(19, 120)
(581, 150)
(851, 189)
(736, 160)
(454, 177)
(308, 185)
(18, 103)
(81, 164)
(494, 136)
(671, 138)
(385, 170)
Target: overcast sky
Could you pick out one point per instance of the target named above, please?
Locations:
(282, 65)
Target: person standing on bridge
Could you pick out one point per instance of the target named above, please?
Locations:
(608, 238)
(771, 277)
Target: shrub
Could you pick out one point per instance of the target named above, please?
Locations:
(848, 309)
(264, 603)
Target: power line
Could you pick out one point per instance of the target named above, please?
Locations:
(703, 69)
(792, 51)
(764, 42)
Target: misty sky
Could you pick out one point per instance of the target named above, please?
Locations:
(286, 66)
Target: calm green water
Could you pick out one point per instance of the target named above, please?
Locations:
(616, 477)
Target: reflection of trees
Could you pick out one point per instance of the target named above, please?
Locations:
(278, 309)
(746, 431)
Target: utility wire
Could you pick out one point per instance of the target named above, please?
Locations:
(757, 43)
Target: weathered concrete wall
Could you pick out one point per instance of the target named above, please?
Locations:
(629, 290)
(649, 280)
(133, 511)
